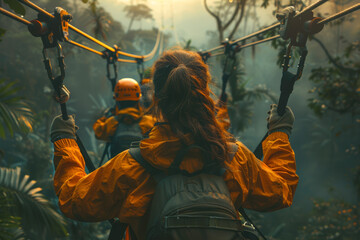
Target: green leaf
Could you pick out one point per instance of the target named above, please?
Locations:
(16, 6)
(15, 114)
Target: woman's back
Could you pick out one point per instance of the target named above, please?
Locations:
(123, 188)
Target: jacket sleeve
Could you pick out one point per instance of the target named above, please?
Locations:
(91, 197)
(264, 185)
(104, 128)
(222, 115)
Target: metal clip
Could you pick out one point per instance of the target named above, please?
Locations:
(56, 81)
(111, 59)
(140, 67)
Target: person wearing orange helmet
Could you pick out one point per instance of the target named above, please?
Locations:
(126, 123)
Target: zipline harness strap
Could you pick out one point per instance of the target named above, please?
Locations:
(297, 30)
(228, 69)
(111, 59)
(140, 68)
(52, 30)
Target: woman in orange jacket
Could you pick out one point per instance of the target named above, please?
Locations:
(122, 188)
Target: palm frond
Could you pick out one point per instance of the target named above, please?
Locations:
(38, 217)
(15, 114)
(10, 226)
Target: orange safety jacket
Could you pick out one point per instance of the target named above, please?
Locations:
(122, 188)
(105, 127)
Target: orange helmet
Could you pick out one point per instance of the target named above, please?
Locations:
(145, 81)
(127, 89)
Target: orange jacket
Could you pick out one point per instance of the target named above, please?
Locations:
(105, 127)
(122, 188)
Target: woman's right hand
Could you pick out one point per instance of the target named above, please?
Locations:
(277, 123)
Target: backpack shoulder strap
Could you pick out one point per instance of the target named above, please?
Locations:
(156, 173)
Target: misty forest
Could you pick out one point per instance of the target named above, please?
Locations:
(325, 101)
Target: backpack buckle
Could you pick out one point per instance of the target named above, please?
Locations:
(135, 144)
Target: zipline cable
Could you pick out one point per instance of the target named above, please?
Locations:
(257, 33)
(14, 16)
(39, 9)
(340, 14)
(259, 42)
(305, 10)
(310, 8)
(152, 53)
(85, 47)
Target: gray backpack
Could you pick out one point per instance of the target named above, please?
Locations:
(125, 134)
(193, 206)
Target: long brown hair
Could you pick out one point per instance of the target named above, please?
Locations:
(182, 98)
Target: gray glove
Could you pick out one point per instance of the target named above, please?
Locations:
(277, 123)
(61, 128)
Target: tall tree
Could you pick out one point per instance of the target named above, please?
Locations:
(227, 13)
(137, 12)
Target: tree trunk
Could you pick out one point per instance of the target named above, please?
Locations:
(130, 24)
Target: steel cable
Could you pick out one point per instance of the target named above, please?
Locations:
(14, 16)
(73, 28)
(340, 14)
(160, 35)
(308, 8)
(155, 48)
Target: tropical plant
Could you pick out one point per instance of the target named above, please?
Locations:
(334, 219)
(337, 86)
(10, 226)
(15, 114)
(38, 218)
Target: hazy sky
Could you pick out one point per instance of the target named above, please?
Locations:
(185, 18)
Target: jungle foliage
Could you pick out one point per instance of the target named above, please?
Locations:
(327, 143)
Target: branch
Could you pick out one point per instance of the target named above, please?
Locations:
(243, 3)
(233, 16)
(331, 59)
(217, 18)
(211, 13)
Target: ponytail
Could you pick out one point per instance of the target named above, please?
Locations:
(182, 98)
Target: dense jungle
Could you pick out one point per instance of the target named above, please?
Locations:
(325, 101)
